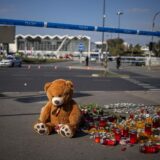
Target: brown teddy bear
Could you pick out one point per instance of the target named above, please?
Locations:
(61, 113)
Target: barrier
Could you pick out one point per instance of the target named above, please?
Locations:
(76, 27)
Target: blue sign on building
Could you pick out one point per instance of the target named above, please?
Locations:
(81, 47)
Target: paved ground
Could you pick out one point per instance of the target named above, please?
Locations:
(19, 110)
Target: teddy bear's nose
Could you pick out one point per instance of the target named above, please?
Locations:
(56, 102)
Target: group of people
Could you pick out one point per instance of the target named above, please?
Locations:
(118, 61)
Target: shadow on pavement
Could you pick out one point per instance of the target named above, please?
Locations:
(80, 133)
(19, 114)
(2, 95)
(32, 99)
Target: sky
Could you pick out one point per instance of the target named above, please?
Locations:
(137, 14)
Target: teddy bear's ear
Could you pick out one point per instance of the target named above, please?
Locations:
(46, 86)
(69, 84)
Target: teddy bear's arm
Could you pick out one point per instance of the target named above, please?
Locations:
(45, 113)
(75, 115)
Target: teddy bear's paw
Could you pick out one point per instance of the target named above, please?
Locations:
(65, 131)
(41, 129)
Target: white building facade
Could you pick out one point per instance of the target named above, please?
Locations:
(60, 45)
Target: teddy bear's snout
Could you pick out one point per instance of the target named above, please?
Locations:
(57, 101)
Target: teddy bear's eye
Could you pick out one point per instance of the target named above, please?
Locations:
(60, 95)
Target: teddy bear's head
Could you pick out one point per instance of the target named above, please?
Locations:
(59, 92)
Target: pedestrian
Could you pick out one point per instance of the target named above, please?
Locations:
(105, 64)
(87, 60)
(118, 61)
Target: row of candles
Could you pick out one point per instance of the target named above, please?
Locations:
(142, 126)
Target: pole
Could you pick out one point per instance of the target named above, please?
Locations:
(118, 23)
(153, 23)
(103, 24)
(151, 43)
(119, 14)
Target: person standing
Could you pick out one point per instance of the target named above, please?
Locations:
(118, 61)
(87, 60)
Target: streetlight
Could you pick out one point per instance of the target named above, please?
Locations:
(103, 24)
(119, 13)
(153, 22)
(151, 43)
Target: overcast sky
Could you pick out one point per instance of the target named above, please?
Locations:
(137, 14)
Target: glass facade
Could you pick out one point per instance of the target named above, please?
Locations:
(52, 43)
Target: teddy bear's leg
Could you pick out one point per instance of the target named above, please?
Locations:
(42, 128)
(66, 131)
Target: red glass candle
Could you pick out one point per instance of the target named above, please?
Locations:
(158, 146)
(102, 122)
(117, 135)
(133, 136)
(148, 129)
(111, 118)
(131, 116)
(149, 149)
(97, 138)
(111, 142)
(103, 141)
(125, 132)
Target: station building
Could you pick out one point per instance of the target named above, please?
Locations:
(59, 45)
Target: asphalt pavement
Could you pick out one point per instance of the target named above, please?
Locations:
(19, 111)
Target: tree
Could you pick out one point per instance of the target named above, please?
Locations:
(116, 46)
(137, 48)
(156, 48)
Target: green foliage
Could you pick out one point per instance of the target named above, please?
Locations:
(40, 60)
(156, 48)
(137, 48)
(34, 60)
(115, 46)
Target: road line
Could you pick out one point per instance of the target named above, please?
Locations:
(144, 85)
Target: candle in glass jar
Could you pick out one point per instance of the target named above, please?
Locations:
(111, 142)
(117, 134)
(148, 129)
(102, 122)
(133, 136)
(125, 132)
(97, 138)
(103, 141)
(149, 149)
(131, 116)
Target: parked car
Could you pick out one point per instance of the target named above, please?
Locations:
(11, 61)
(94, 57)
(138, 62)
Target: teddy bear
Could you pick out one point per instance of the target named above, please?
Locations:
(61, 113)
